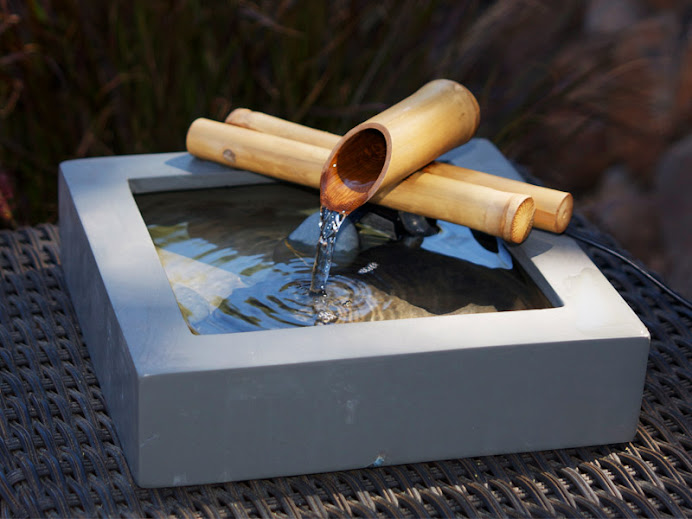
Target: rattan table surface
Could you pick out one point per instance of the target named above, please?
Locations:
(60, 456)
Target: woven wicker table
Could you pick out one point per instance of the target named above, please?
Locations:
(60, 457)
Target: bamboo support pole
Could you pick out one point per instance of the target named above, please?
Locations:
(254, 151)
(266, 123)
(507, 215)
(553, 208)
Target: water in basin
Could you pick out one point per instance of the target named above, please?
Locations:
(233, 268)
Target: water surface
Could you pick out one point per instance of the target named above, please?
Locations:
(226, 254)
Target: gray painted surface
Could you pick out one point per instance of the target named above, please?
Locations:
(195, 409)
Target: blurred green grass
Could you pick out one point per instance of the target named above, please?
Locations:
(83, 78)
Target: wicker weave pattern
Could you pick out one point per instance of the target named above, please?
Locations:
(59, 455)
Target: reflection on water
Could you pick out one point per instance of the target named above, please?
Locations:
(226, 254)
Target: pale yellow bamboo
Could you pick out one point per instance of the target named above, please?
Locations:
(393, 144)
(266, 123)
(507, 215)
(553, 208)
(254, 151)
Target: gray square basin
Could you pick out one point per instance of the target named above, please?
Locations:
(192, 409)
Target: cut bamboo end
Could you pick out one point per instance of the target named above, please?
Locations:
(241, 117)
(557, 219)
(355, 168)
(519, 218)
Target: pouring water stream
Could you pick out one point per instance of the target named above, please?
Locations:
(330, 223)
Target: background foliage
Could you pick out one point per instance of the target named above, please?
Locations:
(84, 78)
(569, 88)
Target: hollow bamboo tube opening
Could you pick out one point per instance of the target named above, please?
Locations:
(440, 116)
(355, 169)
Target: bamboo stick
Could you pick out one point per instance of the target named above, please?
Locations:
(266, 123)
(254, 151)
(507, 215)
(393, 144)
(553, 208)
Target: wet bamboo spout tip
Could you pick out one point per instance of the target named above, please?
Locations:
(352, 174)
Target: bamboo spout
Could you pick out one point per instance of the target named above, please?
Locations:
(390, 146)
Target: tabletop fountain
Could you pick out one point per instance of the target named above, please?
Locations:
(191, 281)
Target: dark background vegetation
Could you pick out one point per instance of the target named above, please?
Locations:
(593, 96)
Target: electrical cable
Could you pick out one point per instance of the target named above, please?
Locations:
(665, 288)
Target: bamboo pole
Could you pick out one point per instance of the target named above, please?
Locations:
(507, 215)
(553, 208)
(254, 151)
(266, 123)
(388, 147)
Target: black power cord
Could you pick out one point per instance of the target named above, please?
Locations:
(665, 288)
